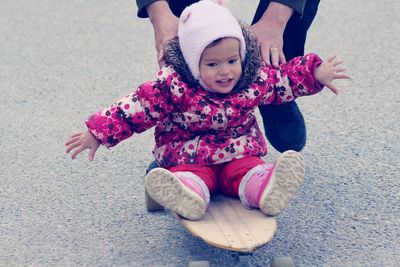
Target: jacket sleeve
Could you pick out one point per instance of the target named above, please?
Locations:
(296, 5)
(141, 4)
(137, 112)
(291, 80)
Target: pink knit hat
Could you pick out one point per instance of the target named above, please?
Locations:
(202, 23)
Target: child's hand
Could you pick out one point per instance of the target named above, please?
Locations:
(81, 142)
(328, 71)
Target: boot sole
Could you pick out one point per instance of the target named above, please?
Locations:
(286, 179)
(168, 191)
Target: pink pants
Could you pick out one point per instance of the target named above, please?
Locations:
(224, 177)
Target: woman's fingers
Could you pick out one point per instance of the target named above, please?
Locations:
(161, 59)
(282, 57)
(274, 54)
(265, 53)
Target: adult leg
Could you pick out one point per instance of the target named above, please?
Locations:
(151, 166)
(284, 124)
(295, 34)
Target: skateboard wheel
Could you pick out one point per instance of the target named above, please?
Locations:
(199, 264)
(282, 262)
(151, 204)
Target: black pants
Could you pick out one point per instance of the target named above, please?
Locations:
(284, 124)
(295, 34)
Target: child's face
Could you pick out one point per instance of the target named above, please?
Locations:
(221, 65)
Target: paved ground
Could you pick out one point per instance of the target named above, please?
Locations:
(60, 61)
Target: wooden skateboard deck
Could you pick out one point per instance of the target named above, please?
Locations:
(229, 225)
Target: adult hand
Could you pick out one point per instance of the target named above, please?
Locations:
(81, 142)
(165, 26)
(269, 31)
(329, 71)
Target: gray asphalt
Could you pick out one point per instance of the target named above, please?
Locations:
(60, 61)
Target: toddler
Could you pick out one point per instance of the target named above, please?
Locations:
(203, 107)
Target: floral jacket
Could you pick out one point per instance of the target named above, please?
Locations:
(195, 126)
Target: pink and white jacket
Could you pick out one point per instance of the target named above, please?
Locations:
(194, 126)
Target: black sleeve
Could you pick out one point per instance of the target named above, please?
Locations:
(141, 4)
(296, 5)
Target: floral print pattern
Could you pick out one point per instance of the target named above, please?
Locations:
(194, 126)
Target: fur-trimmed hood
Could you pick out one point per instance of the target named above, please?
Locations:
(173, 55)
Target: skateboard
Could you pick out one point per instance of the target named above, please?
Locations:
(228, 225)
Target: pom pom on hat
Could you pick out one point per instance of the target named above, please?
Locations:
(202, 23)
